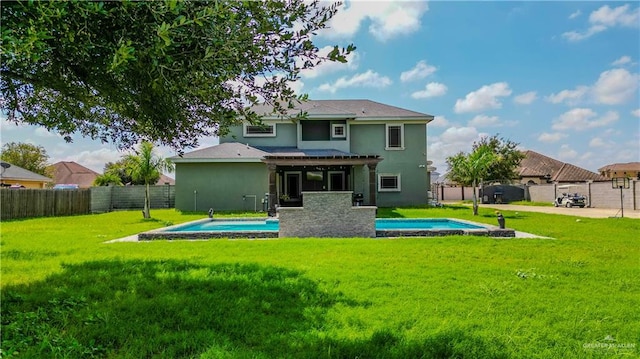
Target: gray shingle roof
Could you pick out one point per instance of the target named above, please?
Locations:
(227, 151)
(16, 173)
(358, 109)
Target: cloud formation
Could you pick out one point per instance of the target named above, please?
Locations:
(526, 98)
(486, 97)
(387, 19)
(432, 89)
(420, 71)
(580, 119)
(604, 18)
(613, 87)
(367, 79)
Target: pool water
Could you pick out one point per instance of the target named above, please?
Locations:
(273, 225)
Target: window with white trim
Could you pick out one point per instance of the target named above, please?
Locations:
(395, 137)
(263, 130)
(389, 183)
(339, 130)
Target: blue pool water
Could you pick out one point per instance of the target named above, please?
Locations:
(273, 225)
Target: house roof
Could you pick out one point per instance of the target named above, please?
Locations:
(298, 152)
(16, 173)
(164, 179)
(237, 152)
(614, 167)
(72, 172)
(224, 152)
(538, 165)
(356, 109)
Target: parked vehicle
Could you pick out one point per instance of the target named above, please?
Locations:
(570, 200)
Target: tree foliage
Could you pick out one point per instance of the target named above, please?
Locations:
(507, 159)
(145, 166)
(164, 71)
(30, 157)
(107, 179)
(470, 169)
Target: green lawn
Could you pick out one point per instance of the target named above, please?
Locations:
(67, 294)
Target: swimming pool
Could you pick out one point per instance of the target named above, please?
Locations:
(269, 227)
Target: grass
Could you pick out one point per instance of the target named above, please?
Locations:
(67, 294)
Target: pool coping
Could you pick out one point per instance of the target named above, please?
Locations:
(162, 233)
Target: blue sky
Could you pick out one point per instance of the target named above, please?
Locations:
(560, 78)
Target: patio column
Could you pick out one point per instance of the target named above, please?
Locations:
(273, 195)
(372, 183)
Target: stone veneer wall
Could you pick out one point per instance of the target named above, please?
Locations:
(327, 214)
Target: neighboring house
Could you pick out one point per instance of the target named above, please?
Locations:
(630, 170)
(18, 177)
(536, 168)
(68, 172)
(375, 150)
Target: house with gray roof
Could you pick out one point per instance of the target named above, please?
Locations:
(376, 151)
(15, 176)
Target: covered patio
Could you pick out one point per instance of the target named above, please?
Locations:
(292, 173)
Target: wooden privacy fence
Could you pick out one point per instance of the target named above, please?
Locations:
(26, 203)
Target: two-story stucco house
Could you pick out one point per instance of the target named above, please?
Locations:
(375, 150)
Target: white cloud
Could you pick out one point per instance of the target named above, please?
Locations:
(484, 121)
(387, 19)
(566, 153)
(44, 133)
(597, 142)
(439, 121)
(432, 89)
(570, 96)
(449, 143)
(297, 86)
(551, 137)
(614, 17)
(526, 98)
(580, 119)
(577, 36)
(622, 61)
(366, 79)
(484, 98)
(604, 18)
(575, 14)
(615, 87)
(420, 71)
(328, 67)
(636, 112)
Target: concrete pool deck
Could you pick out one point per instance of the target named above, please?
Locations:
(162, 234)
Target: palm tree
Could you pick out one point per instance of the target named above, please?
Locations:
(145, 166)
(470, 169)
(108, 178)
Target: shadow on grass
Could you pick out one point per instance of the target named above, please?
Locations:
(175, 309)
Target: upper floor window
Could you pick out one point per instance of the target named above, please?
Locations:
(339, 130)
(395, 137)
(263, 130)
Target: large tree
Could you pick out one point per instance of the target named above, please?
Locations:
(470, 169)
(30, 157)
(145, 166)
(165, 71)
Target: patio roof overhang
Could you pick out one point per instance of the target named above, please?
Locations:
(348, 160)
